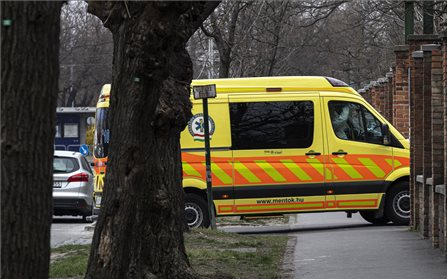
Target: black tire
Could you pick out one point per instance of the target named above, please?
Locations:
(397, 207)
(196, 211)
(84, 216)
(369, 216)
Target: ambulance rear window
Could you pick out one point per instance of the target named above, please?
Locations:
(272, 125)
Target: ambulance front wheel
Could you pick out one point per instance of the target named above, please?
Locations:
(397, 205)
(196, 211)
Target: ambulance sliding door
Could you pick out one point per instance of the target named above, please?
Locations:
(277, 145)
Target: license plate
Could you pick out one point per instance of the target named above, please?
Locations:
(57, 184)
(97, 201)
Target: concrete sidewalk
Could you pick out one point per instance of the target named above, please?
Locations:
(329, 245)
(351, 249)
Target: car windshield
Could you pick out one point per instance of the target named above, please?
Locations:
(65, 164)
(102, 133)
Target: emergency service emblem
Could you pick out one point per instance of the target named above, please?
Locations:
(196, 127)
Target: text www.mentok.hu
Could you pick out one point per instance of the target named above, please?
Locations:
(284, 200)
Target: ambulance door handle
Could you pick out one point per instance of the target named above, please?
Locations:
(312, 153)
(340, 152)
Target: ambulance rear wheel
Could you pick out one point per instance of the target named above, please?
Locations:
(369, 216)
(397, 205)
(196, 211)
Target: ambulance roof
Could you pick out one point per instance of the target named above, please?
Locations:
(268, 84)
(277, 84)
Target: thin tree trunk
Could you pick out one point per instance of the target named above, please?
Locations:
(71, 92)
(30, 70)
(224, 60)
(139, 233)
(223, 34)
(278, 26)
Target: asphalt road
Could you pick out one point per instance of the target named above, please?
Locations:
(69, 230)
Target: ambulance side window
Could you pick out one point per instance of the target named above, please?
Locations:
(272, 125)
(352, 121)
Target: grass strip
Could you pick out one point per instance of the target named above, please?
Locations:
(213, 254)
(69, 261)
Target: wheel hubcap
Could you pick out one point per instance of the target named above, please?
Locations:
(193, 215)
(401, 204)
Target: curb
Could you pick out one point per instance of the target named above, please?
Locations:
(91, 227)
(287, 269)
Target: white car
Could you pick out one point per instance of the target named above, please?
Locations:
(72, 184)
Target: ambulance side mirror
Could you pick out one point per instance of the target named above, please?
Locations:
(386, 134)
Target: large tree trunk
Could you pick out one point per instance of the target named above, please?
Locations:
(30, 70)
(139, 233)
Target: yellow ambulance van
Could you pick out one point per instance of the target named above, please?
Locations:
(288, 145)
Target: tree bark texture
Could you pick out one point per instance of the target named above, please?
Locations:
(30, 70)
(139, 233)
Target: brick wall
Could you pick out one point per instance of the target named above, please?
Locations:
(381, 96)
(443, 198)
(368, 94)
(389, 97)
(375, 95)
(425, 201)
(442, 223)
(437, 138)
(426, 118)
(416, 142)
(400, 99)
